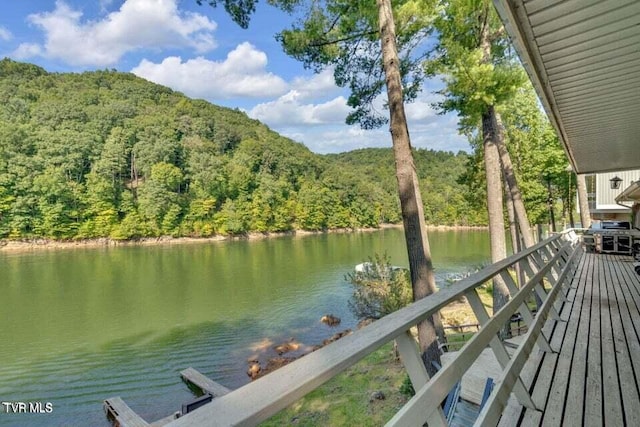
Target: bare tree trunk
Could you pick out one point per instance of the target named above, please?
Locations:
(420, 263)
(494, 206)
(515, 235)
(572, 223)
(511, 216)
(585, 215)
(552, 216)
(431, 279)
(491, 133)
(512, 187)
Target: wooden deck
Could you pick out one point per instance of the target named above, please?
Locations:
(592, 378)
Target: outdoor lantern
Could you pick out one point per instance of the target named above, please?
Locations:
(615, 182)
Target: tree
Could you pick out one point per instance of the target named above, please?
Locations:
(420, 262)
(533, 146)
(343, 33)
(585, 216)
(82, 166)
(379, 289)
(473, 53)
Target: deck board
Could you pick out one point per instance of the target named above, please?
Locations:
(542, 367)
(577, 372)
(627, 343)
(546, 371)
(612, 400)
(554, 408)
(593, 404)
(593, 379)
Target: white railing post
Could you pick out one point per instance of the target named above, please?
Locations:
(526, 314)
(492, 411)
(498, 347)
(413, 363)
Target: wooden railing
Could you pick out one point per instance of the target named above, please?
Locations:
(546, 266)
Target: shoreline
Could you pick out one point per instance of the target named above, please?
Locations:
(39, 244)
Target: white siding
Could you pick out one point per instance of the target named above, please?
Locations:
(605, 196)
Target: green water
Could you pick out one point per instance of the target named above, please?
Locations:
(78, 326)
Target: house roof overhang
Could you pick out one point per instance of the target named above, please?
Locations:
(583, 57)
(630, 194)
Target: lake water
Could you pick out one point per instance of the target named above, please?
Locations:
(78, 326)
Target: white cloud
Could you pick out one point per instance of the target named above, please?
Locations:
(420, 110)
(5, 34)
(27, 50)
(288, 110)
(242, 74)
(348, 138)
(137, 24)
(439, 135)
(322, 83)
(302, 115)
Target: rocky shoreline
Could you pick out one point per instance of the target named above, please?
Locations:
(272, 357)
(26, 245)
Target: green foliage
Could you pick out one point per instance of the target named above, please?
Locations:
(406, 388)
(106, 154)
(474, 56)
(344, 35)
(537, 156)
(239, 10)
(446, 198)
(379, 289)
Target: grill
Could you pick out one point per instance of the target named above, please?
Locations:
(613, 237)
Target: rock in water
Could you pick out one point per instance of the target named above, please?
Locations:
(330, 320)
(254, 370)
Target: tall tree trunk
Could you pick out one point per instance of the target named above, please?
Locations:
(515, 235)
(512, 187)
(420, 263)
(490, 135)
(494, 205)
(552, 216)
(585, 215)
(511, 216)
(431, 279)
(572, 223)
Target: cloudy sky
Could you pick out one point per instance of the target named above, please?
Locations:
(197, 50)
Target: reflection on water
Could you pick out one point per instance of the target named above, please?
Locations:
(79, 326)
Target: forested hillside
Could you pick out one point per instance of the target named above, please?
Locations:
(107, 154)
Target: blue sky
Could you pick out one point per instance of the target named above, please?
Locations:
(197, 50)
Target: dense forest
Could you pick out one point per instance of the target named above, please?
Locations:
(107, 154)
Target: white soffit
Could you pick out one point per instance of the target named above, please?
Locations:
(583, 57)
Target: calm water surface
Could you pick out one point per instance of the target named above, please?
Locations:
(78, 326)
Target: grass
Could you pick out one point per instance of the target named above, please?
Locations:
(347, 398)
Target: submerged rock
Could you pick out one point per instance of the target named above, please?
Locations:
(330, 320)
(336, 337)
(365, 322)
(286, 347)
(254, 370)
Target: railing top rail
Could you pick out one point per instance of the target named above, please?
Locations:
(266, 396)
(429, 397)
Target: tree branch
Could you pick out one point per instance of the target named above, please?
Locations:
(342, 39)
